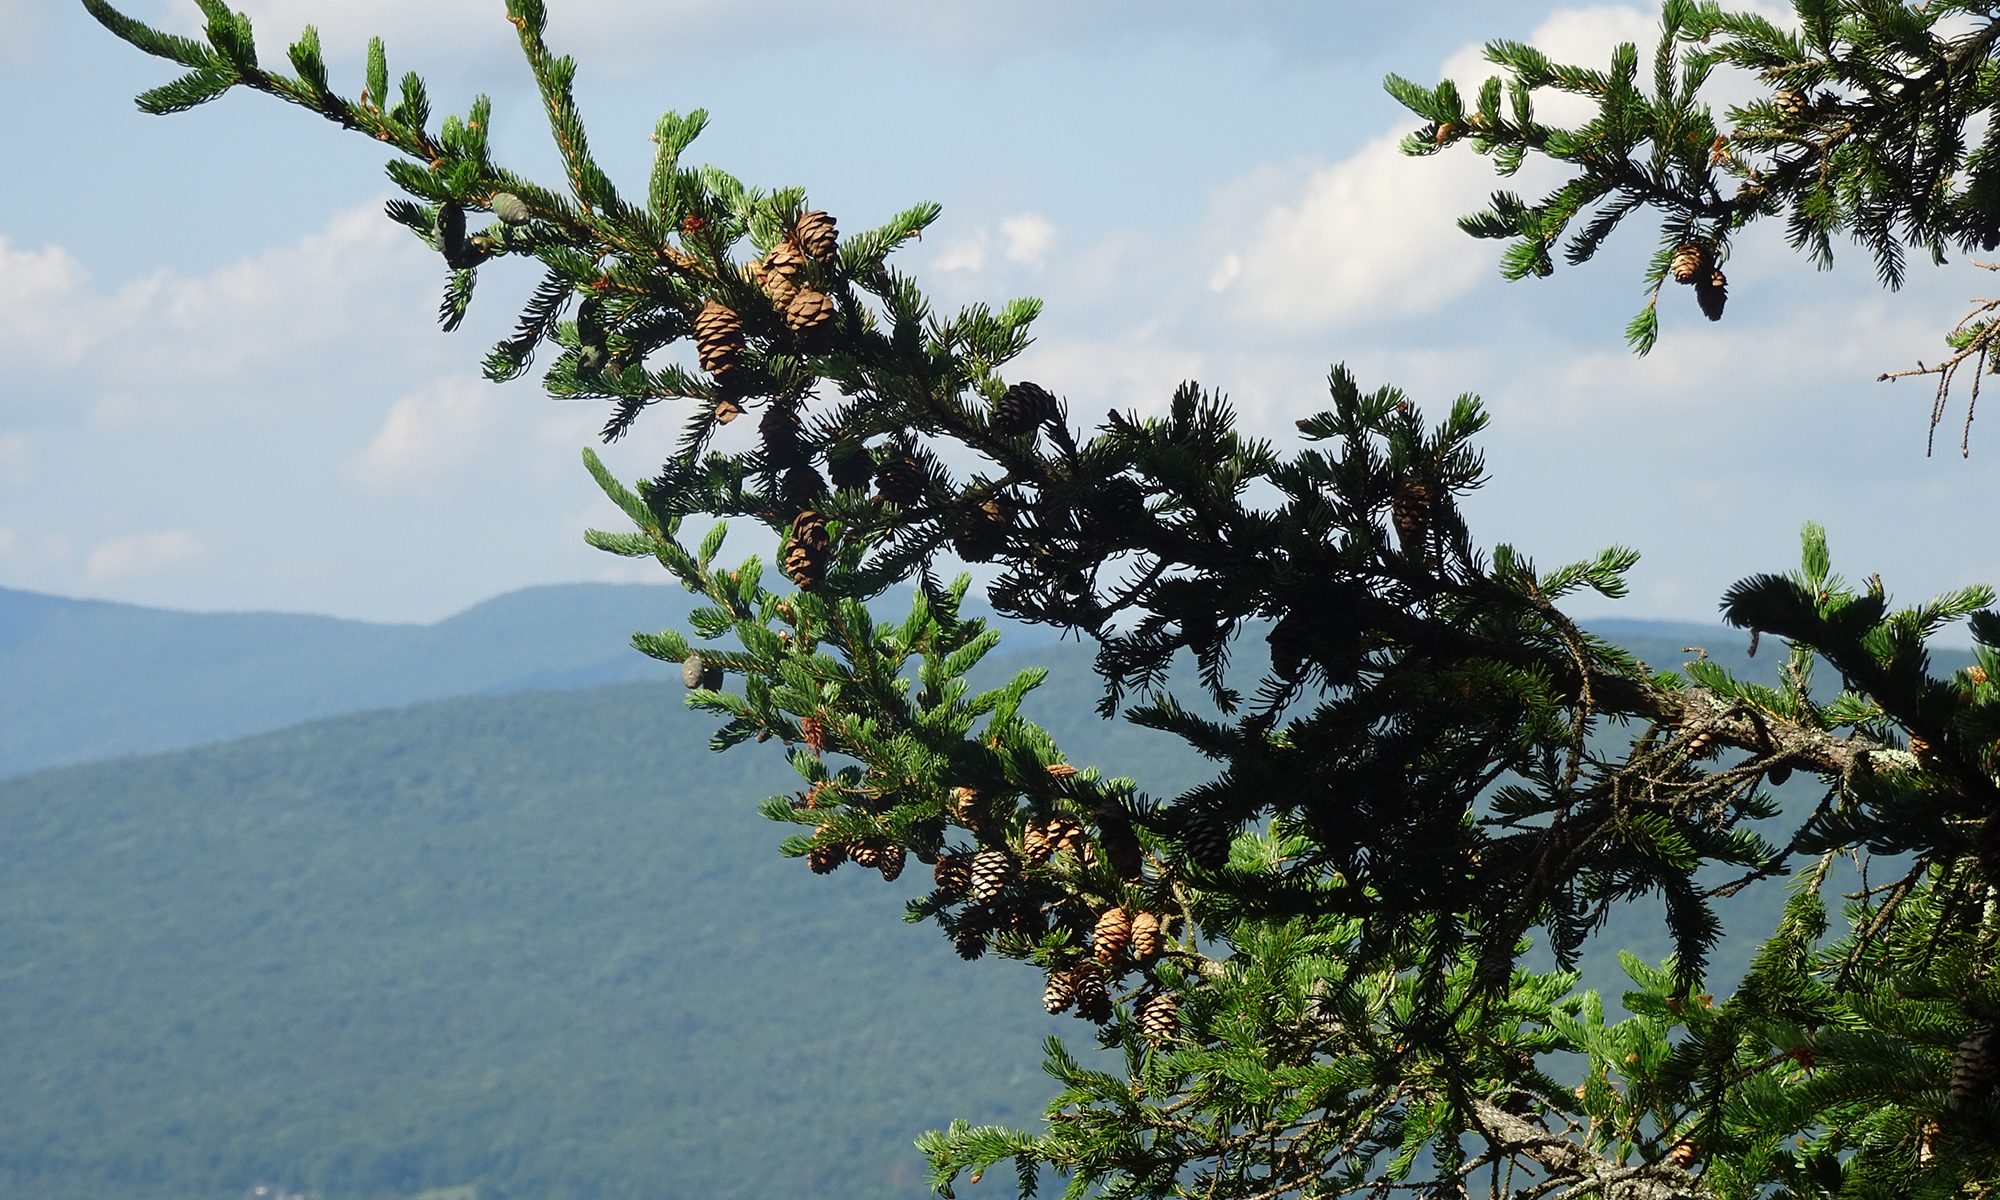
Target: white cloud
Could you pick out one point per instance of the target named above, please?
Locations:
(40, 292)
(1029, 238)
(138, 554)
(9, 539)
(966, 254)
(438, 428)
(228, 333)
(1368, 237)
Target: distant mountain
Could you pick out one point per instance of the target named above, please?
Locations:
(87, 679)
(82, 680)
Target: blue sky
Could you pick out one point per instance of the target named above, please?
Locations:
(221, 386)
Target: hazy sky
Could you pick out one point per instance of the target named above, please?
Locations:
(221, 386)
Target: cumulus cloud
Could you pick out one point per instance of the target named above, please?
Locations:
(438, 428)
(139, 554)
(262, 313)
(1372, 235)
(1028, 237)
(1368, 237)
(41, 290)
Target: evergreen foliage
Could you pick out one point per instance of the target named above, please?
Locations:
(1413, 780)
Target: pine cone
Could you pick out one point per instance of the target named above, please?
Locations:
(991, 871)
(718, 339)
(801, 486)
(982, 530)
(890, 862)
(1113, 934)
(899, 480)
(953, 874)
(807, 548)
(965, 807)
(850, 466)
(817, 235)
(786, 263)
(969, 940)
(1791, 104)
(1025, 918)
(1712, 293)
(1024, 407)
(1975, 1066)
(1411, 512)
(783, 436)
(1147, 938)
(1159, 1017)
(727, 410)
(1689, 261)
(809, 312)
(825, 858)
(1206, 840)
(1060, 994)
(511, 209)
(813, 730)
(1093, 1003)
(1065, 832)
(865, 852)
(1120, 845)
(698, 672)
(1036, 845)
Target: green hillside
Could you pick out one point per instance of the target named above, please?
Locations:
(538, 943)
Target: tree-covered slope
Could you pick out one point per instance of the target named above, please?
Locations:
(540, 943)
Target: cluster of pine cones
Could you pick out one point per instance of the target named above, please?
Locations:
(1694, 262)
(784, 275)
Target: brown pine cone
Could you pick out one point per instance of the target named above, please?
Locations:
(718, 338)
(850, 466)
(1036, 845)
(899, 480)
(1093, 1003)
(1975, 1067)
(825, 858)
(1023, 408)
(727, 410)
(991, 871)
(808, 312)
(1060, 994)
(1689, 261)
(816, 234)
(982, 530)
(1411, 513)
(865, 852)
(1120, 845)
(1147, 938)
(890, 862)
(1113, 934)
(806, 549)
(965, 807)
(969, 940)
(1065, 832)
(953, 874)
(1206, 839)
(1159, 1017)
